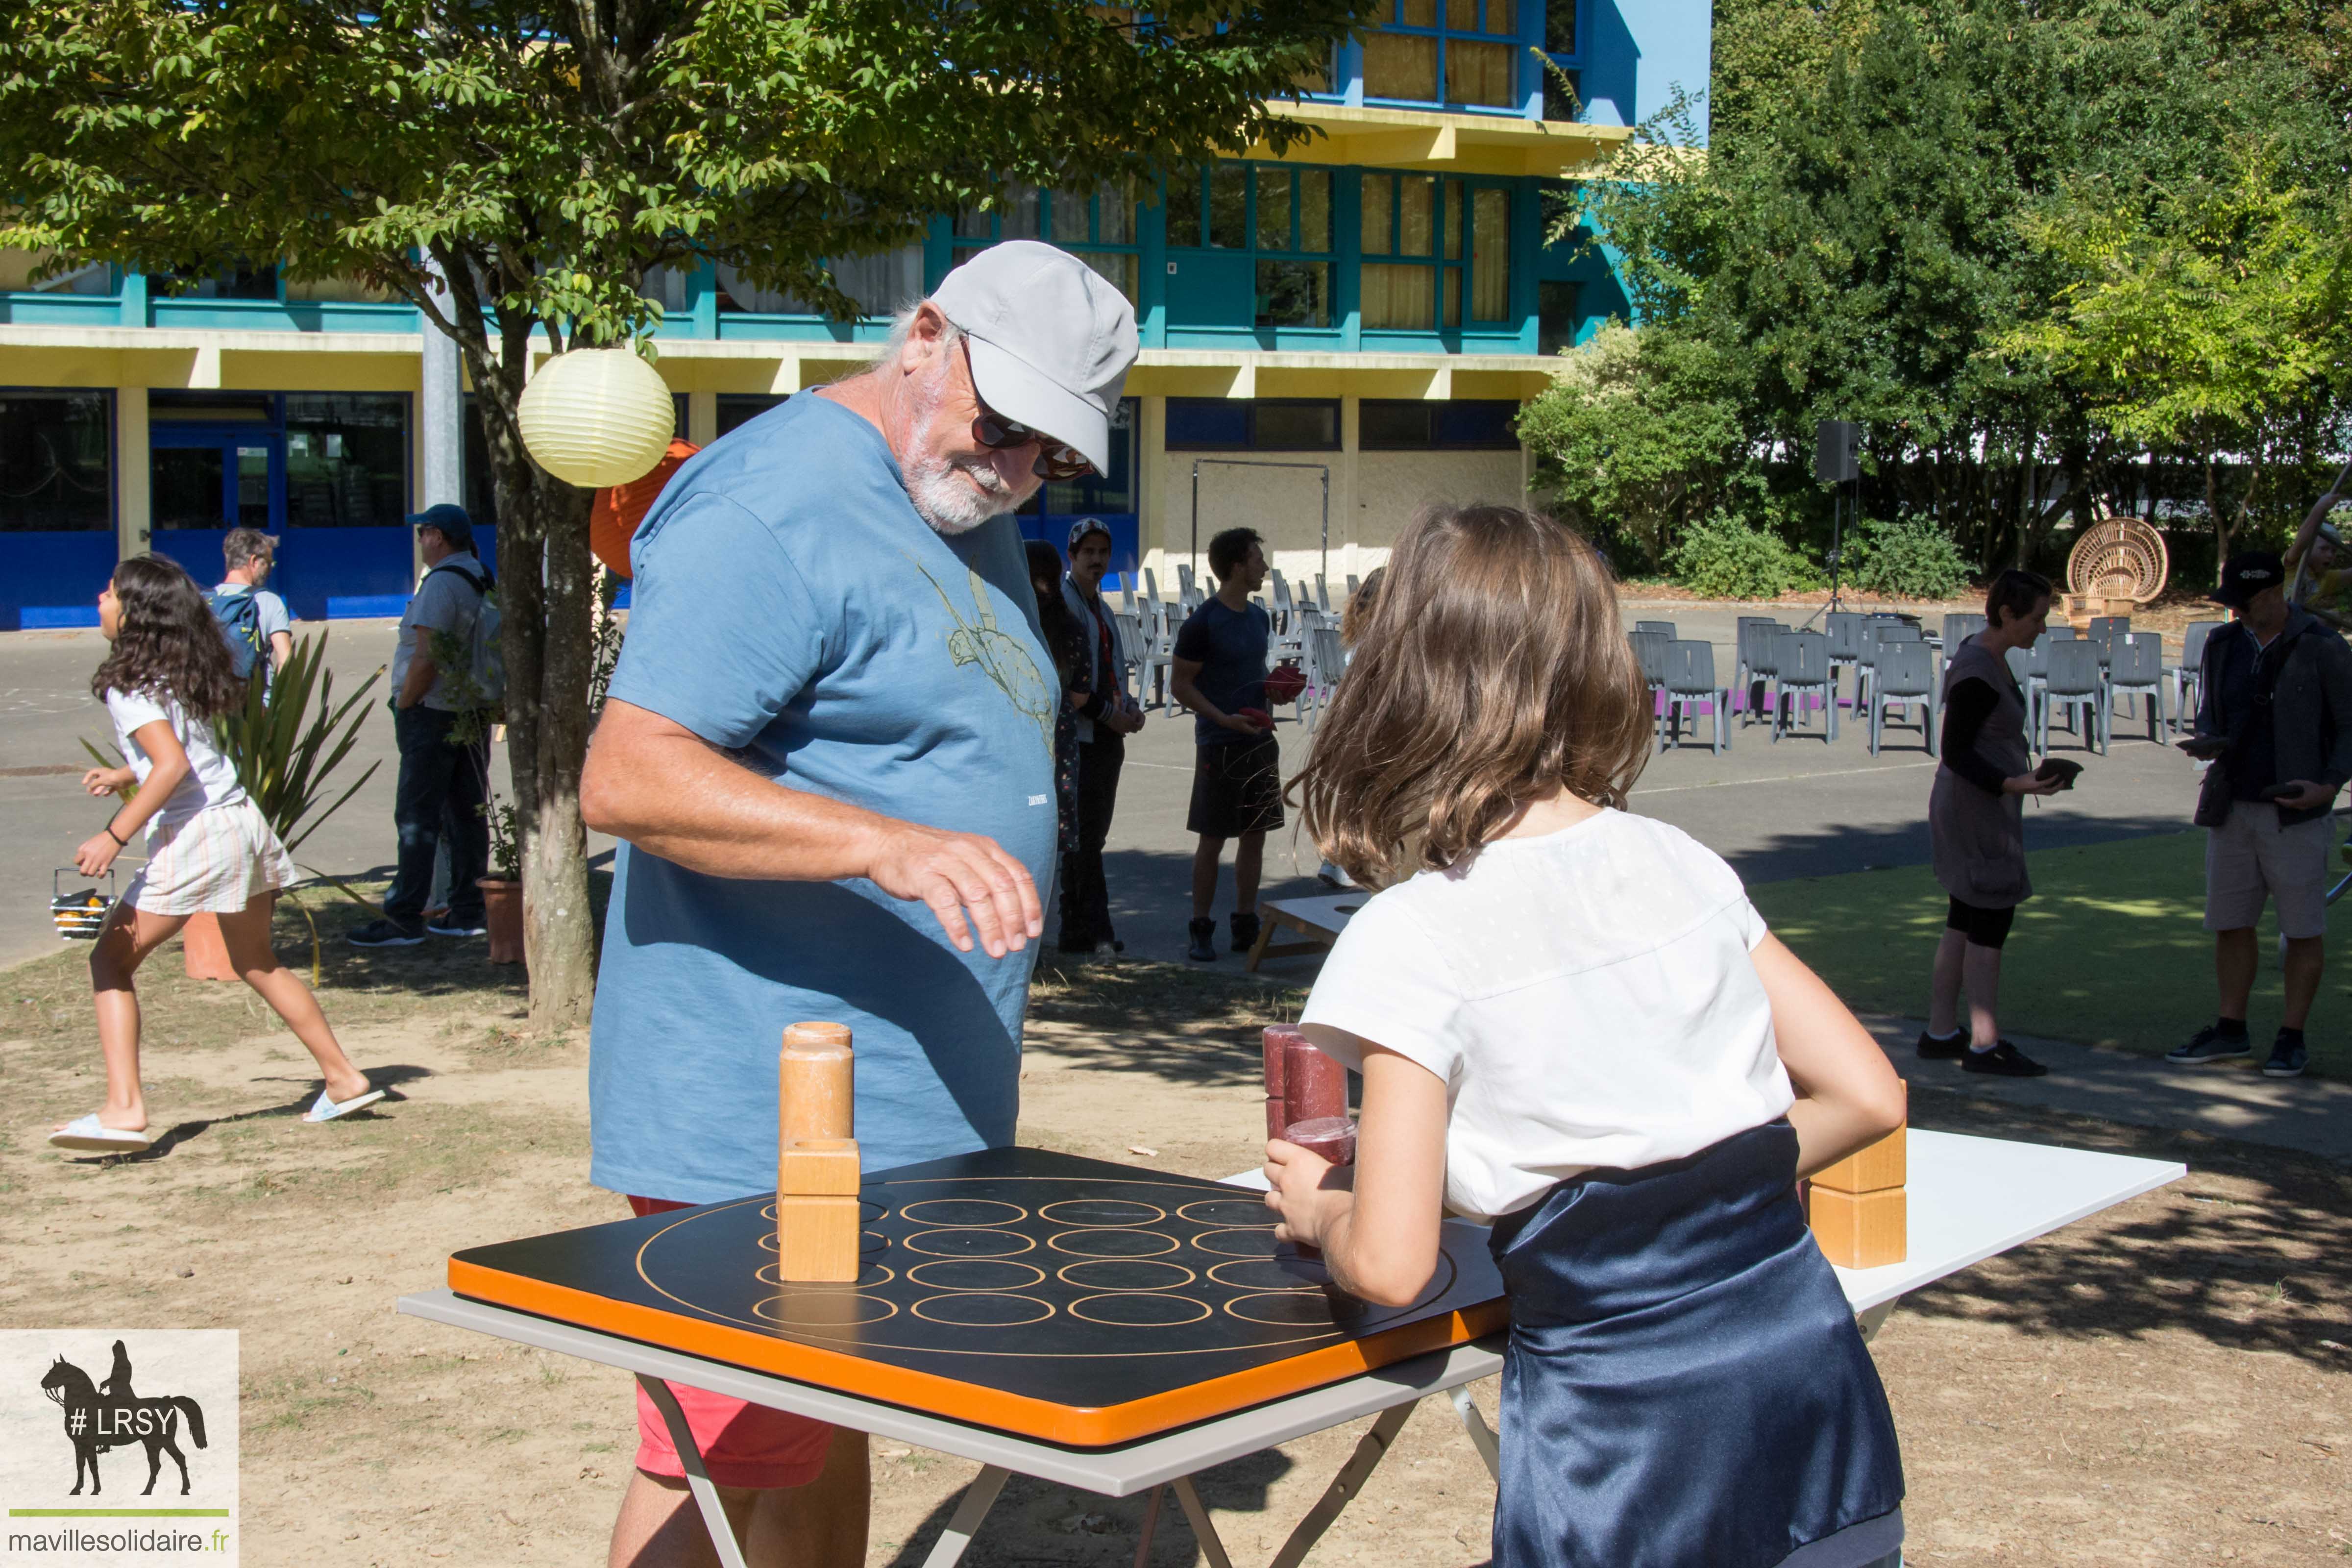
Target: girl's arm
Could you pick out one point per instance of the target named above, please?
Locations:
(171, 766)
(1379, 1233)
(1848, 1096)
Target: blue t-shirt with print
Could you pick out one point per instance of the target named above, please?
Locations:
(791, 608)
(1229, 646)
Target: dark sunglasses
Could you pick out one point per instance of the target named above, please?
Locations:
(995, 432)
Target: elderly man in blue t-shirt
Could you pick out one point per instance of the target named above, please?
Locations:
(829, 748)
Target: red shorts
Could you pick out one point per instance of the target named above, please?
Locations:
(742, 1444)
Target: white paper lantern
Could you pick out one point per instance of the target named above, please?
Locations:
(597, 416)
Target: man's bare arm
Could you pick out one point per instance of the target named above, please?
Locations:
(665, 790)
(1182, 674)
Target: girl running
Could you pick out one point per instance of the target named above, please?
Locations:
(208, 847)
(1572, 1025)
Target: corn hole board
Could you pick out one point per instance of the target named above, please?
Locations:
(1061, 1299)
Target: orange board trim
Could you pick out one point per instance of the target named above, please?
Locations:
(1071, 1426)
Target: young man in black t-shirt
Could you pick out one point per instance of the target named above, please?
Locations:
(1218, 672)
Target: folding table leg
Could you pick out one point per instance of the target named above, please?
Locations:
(1370, 1450)
(977, 1498)
(1870, 1319)
(1151, 1523)
(1482, 1437)
(698, 1479)
(1204, 1530)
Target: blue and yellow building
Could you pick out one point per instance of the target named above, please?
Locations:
(1331, 338)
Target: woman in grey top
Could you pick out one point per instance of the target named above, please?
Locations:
(1975, 821)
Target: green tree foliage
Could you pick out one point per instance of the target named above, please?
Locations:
(1910, 559)
(515, 170)
(1724, 556)
(1869, 237)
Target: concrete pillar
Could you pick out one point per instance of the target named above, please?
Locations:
(134, 504)
(440, 415)
(702, 418)
(1345, 490)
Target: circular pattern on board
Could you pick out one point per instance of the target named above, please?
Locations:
(991, 1274)
(1273, 1274)
(1112, 1243)
(1229, 1214)
(1284, 1308)
(960, 1213)
(1238, 1243)
(1129, 1311)
(822, 1310)
(978, 1310)
(971, 1242)
(1102, 1212)
(869, 1275)
(1125, 1273)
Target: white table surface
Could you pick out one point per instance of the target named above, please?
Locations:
(1328, 912)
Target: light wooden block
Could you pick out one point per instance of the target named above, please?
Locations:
(817, 1239)
(817, 1167)
(815, 1083)
(1871, 1169)
(1859, 1230)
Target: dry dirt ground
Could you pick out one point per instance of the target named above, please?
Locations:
(2166, 1384)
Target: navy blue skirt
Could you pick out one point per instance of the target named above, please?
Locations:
(1685, 1384)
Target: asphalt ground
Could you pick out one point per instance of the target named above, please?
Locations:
(1801, 807)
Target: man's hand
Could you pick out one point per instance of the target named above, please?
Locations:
(1245, 724)
(954, 872)
(2203, 747)
(2306, 795)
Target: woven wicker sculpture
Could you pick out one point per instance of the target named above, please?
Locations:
(2118, 558)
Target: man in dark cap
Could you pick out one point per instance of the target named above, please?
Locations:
(445, 772)
(2276, 723)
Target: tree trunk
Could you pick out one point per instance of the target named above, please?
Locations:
(2213, 511)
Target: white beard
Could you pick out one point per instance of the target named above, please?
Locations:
(954, 495)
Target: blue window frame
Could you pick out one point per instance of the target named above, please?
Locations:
(1385, 425)
(1434, 249)
(1463, 52)
(1256, 424)
(1281, 217)
(1098, 226)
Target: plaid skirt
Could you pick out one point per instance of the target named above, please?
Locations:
(215, 862)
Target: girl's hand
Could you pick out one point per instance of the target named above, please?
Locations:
(96, 855)
(1302, 1190)
(106, 781)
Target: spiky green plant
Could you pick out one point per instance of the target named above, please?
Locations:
(287, 742)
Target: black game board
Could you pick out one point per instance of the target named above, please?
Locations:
(1068, 1300)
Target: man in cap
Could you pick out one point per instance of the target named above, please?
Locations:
(445, 769)
(2276, 724)
(828, 750)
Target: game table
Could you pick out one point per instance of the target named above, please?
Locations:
(1970, 1199)
(1318, 921)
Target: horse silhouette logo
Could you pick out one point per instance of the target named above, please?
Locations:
(97, 1419)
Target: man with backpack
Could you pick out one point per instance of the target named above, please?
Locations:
(259, 631)
(444, 681)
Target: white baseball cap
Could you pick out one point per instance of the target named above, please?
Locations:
(1051, 340)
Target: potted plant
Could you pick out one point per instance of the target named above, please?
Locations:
(502, 888)
(286, 741)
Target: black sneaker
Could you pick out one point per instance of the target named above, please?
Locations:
(1949, 1047)
(1245, 926)
(2287, 1059)
(386, 933)
(1203, 946)
(2004, 1060)
(2210, 1045)
(449, 925)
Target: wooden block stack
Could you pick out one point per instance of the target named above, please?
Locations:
(1856, 1206)
(817, 1172)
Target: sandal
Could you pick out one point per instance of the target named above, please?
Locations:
(325, 1109)
(88, 1135)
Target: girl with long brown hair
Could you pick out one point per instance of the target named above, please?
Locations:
(209, 849)
(1571, 1024)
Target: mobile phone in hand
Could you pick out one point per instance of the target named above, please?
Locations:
(2203, 746)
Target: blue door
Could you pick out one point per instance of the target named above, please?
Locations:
(205, 479)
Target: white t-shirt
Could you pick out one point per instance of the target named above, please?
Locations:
(1588, 997)
(212, 779)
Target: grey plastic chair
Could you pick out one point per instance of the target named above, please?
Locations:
(1959, 629)
(2187, 677)
(2030, 666)
(1130, 641)
(1905, 679)
(2105, 626)
(1845, 632)
(1322, 595)
(1801, 666)
(1155, 681)
(1690, 678)
(1764, 672)
(1883, 633)
(1667, 627)
(2136, 668)
(1650, 654)
(1324, 661)
(1752, 647)
(2061, 633)
(2076, 684)
(1183, 578)
(1352, 584)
